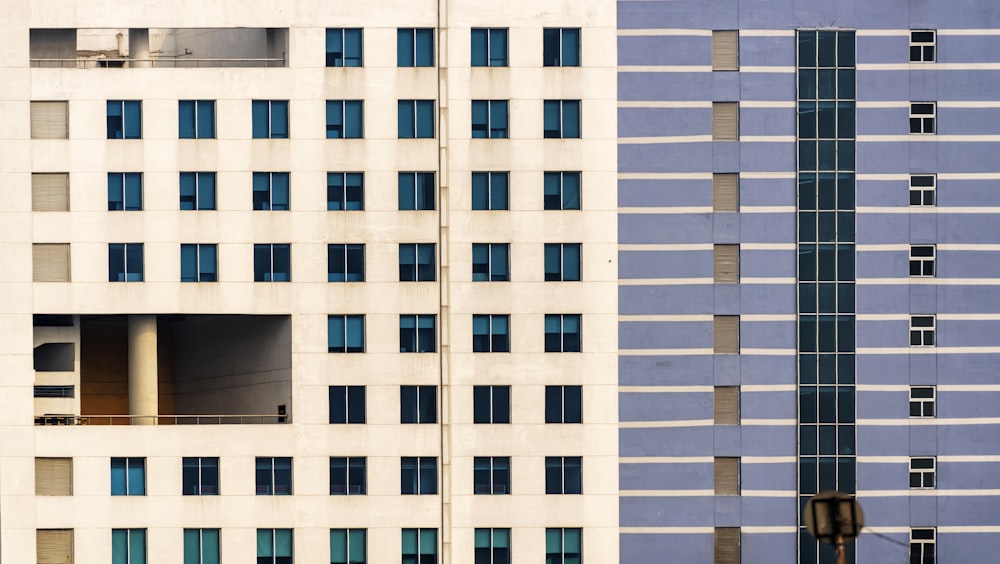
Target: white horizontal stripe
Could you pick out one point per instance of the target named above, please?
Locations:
(664, 176)
(929, 281)
(665, 493)
(764, 280)
(665, 68)
(767, 352)
(664, 352)
(929, 350)
(767, 33)
(665, 31)
(969, 458)
(666, 530)
(768, 317)
(666, 139)
(664, 281)
(664, 317)
(969, 316)
(969, 104)
(926, 209)
(927, 493)
(767, 388)
(969, 529)
(918, 137)
(929, 421)
(774, 69)
(769, 247)
(668, 247)
(768, 493)
(664, 104)
(666, 459)
(665, 424)
(926, 66)
(767, 138)
(664, 389)
(775, 175)
(768, 209)
(968, 247)
(968, 176)
(665, 210)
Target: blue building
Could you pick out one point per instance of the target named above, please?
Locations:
(809, 295)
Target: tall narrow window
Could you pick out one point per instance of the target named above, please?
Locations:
(124, 191)
(344, 119)
(416, 191)
(415, 48)
(197, 190)
(344, 47)
(124, 119)
(489, 47)
(125, 262)
(270, 119)
(417, 333)
(196, 119)
(561, 47)
(489, 190)
(562, 190)
(199, 263)
(270, 191)
(489, 119)
(561, 119)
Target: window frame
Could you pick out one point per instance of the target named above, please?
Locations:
(355, 475)
(414, 57)
(197, 199)
(196, 129)
(923, 189)
(557, 398)
(199, 487)
(486, 36)
(204, 254)
(352, 395)
(923, 472)
(125, 191)
(417, 113)
(563, 194)
(497, 337)
(420, 545)
(422, 270)
(273, 487)
(920, 405)
(421, 192)
(270, 111)
(131, 537)
(559, 477)
(550, 59)
(343, 32)
(489, 552)
(490, 190)
(418, 405)
(491, 475)
(345, 274)
(126, 275)
(130, 127)
(922, 122)
(348, 325)
(351, 115)
(492, 270)
(497, 124)
(559, 544)
(269, 275)
(273, 557)
(350, 556)
(419, 345)
(419, 466)
(561, 318)
(560, 275)
(923, 51)
(563, 110)
(274, 191)
(128, 464)
(922, 539)
(200, 549)
(346, 187)
(495, 403)
(923, 260)
(919, 333)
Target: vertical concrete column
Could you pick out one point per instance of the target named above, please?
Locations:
(138, 48)
(143, 395)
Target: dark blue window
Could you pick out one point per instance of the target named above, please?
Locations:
(417, 404)
(491, 476)
(124, 119)
(128, 546)
(562, 262)
(128, 476)
(274, 476)
(562, 190)
(415, 47)
(344, 119)
(270, 191)
(416, 119)
(347, 403)
(272, 263)
(490, 333)
(489, 190)
(345, 191)
(345, 263)
(124, 191)
(200, 476)
(416, 190)
(196, 119)
(417, 333)
(563, 475)
(562, 333)
(346, 334)
(125, 262)
(490, 262)
(561, 47)
(347, 477)
(489, 47)
(416, 262)
(562, 119)
(418, 476)
(563, 404)
(270, 119)
(344, 47)
(491, 404)
(197, 190)
(489, 119)
(199, 263)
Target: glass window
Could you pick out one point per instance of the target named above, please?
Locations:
(922, 189)
(346, 333)
(562, 262)
(489, 119)
(922, 46)
(124, 191)
(128, 476)
(348, 475)
(345, 263)
(561, 47)
(199, 263)
(922, 117)
(344, 47)
(348, 546)
(128, 546)
(416, 119)
(490, 333)
(417, 333)
(562, 333)
(272, 263)
(562, 119)
(197, 190)
(490, 262)
(416, 191)
(419, 546)
(922, 329)
(347, 404)
(491, 475)
(563, 546)
(491, 404)
(492, 546)
(563, 404)
(200, 476)
(124, 119)
(274, 546)
(270, 191)
(923, 546)
(563, 475)
(415, 47)
(418, 475)
(489, 190)
(201, 546)
(922, 401)
(196, 119)
(274, 476)
(344, 119)
(345, 191)
(417, 262)
(270, 119)
(125, 262)
(562, 190)
(489, 47)
(417, 404)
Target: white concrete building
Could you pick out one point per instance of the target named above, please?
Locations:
(131, 131)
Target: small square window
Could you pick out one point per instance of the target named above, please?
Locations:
(201, 546)
(348, 546)
(491, 475)
(490, 404)
(416, 191)
(489, 119)
(124, 191)
(489, 47)
(923, 189)
(197, 191)
(199, 263)
(923, 400)
(345, 191)
(415, 47)
(417, 333)
(196, 119)
(490, 262)
(200, 476)
(348, 476)
(274, 546)
(922, 260)
(563, 475)
(490, 333)
(274, 475)
(415, 119)
(124, 119)
(922, 117)
(344, 47)
(347, 405)
(922, 329)
(922, 471)
(923, 546)
(418, 476)
(270, 191)
(562, 119)
(344, 119)
(346, 333)
(489, 190)
(562, 333)
(417, 262)
(562, 262)
(270, 119)
(563, 404)
(345, 263)
(561, 47)
(128, 476)
(129, 545)
(417, 404)
(922, 46)
(125, 262)
(492, 546)
(272, 263)
(562, 190)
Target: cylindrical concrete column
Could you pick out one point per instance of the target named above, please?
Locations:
(143, 394)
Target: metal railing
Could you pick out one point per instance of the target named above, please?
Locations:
(125, 62)
(59, 419)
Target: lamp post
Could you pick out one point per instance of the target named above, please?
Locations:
(835, 518)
